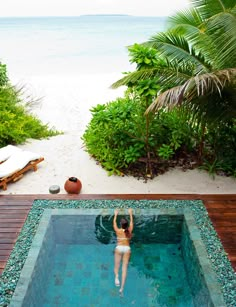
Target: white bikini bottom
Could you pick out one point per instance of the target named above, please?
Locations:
(123, 248)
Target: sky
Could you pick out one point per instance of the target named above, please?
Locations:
(14, 8)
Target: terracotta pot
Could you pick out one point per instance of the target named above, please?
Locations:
(73, 185)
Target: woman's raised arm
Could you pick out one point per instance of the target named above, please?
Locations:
(114, 220)
(131, 223)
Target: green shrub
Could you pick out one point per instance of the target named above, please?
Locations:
(112, 136)
(116, 134)
(16, 124)
(220, 149)
(172, 132)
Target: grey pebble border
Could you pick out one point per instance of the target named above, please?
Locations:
(218, 257)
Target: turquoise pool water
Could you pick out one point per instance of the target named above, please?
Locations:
(83, 276)
(71, 263)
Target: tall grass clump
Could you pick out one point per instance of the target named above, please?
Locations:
(17, 124)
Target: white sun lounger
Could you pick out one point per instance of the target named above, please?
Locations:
(7, 151)
(16, 165)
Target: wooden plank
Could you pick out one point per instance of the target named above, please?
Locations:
(5, 252)
(213, 211)
(221, 223)
(226, 229)
(12, 220)
(15, 202)
(230, 231)
(12, 224)
(15, 207)
(8, 235)
(10, 229)
(228, 241)
(4, 212)
(224, 215)
(4, 257)
(232, 258)
(2, 265)
(13, 216)
(6, 246)
(220, 203)
(8, 240)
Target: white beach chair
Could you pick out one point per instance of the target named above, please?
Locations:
(7, 151)
(16, 165)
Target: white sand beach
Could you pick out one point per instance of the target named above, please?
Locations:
(65, 105)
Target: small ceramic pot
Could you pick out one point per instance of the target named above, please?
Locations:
(73, 185)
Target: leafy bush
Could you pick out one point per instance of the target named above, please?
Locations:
(113, 135)
(116, 134)
(16, 124)
(220, 150)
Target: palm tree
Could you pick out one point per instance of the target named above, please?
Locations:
(198, 62)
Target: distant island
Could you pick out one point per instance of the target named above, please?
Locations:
(117, 15)
(106, 15)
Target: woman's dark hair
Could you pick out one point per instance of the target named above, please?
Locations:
(125, 225)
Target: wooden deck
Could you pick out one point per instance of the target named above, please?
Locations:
(14, 210)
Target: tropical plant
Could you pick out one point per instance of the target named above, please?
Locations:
(3, 74)
(16, 123)
(198, 61)
(144, 91)
(197, 64)
(116, 135)
(220, 149)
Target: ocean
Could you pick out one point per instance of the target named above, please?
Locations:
(72, 45)
(69, 63)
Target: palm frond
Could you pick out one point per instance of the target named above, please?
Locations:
(176, 48)
(195, 87)
(189, 23)
(222, 29)
(170, 74)
(211, 29)
(209, 8)
(135, 76)
(190, 18)
(174, 74)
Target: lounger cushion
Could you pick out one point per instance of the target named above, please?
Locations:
(7, 151)
(16, 162)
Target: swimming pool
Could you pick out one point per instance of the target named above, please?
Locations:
(70, 262)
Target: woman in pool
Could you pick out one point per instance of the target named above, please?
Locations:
(122, 250)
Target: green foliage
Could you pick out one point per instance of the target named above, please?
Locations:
(116, 135)
(220, 149)
(144, 57)
(165, 152)
(147, 88)
(112, 136)
(3, 74)
(172, 129)
(16, 124)
(212, 167)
